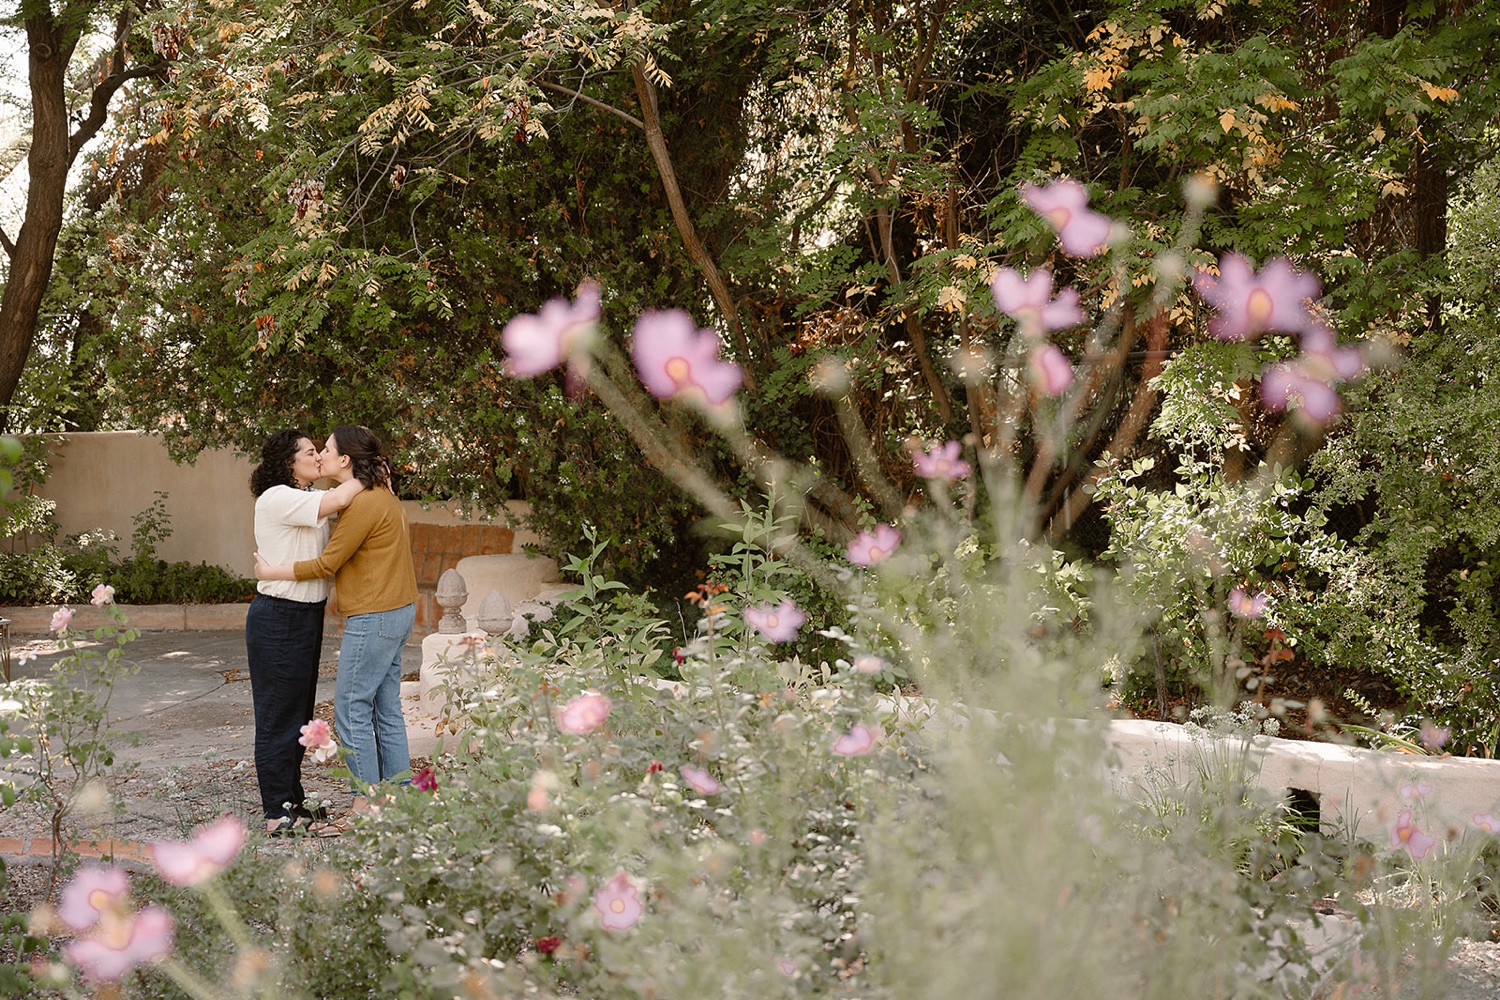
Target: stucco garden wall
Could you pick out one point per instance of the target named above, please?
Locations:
(102, 480)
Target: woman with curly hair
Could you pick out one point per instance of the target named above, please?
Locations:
(284, 626)
(369, 557)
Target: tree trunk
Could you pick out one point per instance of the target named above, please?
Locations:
(48, 161)
(50, 41)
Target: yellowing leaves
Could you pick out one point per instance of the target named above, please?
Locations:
(1227, 120)
(1435, 93)
(952, 298)
(1098, 79)
(1275, 102)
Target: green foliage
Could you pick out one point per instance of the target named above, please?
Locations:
(51, 572)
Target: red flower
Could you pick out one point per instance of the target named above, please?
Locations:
(654, 766)
(425, 780)
(548, 945)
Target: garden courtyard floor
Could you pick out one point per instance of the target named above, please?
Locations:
(187, 714)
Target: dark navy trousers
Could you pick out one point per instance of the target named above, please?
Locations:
(283, 640)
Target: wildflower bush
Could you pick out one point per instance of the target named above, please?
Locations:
(40, 569)
(771, 826)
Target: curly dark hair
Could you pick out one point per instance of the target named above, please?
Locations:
(366, 456)
(276, 455)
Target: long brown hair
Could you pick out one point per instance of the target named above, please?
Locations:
(366, 455)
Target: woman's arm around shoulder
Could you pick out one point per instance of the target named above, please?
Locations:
(338, 498)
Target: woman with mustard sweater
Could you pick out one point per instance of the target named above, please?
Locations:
(369, 557)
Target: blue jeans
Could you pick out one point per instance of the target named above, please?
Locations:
(367, 696)
(283, 640)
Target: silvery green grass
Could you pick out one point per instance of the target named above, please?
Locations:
(924, 810)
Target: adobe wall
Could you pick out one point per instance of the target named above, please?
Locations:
(103, 479)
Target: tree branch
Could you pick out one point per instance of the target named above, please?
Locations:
(10, 248)
(106, 89)
(646, 92)
(585, 98)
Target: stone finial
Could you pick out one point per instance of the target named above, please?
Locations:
(495, 613)
(451, 594)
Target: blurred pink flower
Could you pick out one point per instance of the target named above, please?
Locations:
(619, 903)
(319, 736)
(1281, 383)
(1029, 301)
(870, 547)
(941, 462)
(538, 343)
(93, 891)
(60, 619)
(584, 713)
(1433, 736)
(1405, 834)
(1050, 369)
(779, 623)
(1081, 231)
(315, 733)
(1488, 822)
(1414, 790)
(787, 966)
(675, 359)
(1243, 605)
(701, 780)
(1312, 376)
(868, 664)
(121, 942)
(203, 855)
(1250, 303)
(425, 780)
(858, 741)
(102, 595)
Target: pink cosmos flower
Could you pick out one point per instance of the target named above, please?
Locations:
(779, 623)
(619, 904)
(535, 344)
(121, 942)
(1250, 303)
(93, 891)
(868, 664)
(1488, 822)
(425, 780)
(203, 855)
(701, 780)
(1313, 376)
(1029, 301)
(858, 741)
(102, 595)
(676, 360)
(1405, 834)
(1414, 790)
(1081, 231)
(1281, 383)
(60, 619)
(1433, 736)
(942, 462)
(584, 713)
(1050, 369)
(870, 547)
(1242, 605)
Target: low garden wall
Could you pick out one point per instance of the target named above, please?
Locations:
(102, 480)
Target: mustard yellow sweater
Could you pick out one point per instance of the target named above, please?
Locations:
(369, 556)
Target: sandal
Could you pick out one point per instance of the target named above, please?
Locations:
(328, 828)
(284, 826)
